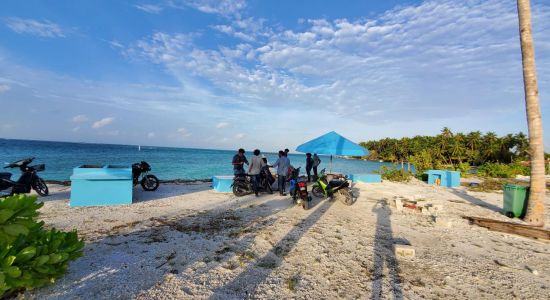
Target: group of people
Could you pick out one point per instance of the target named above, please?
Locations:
(259, 165)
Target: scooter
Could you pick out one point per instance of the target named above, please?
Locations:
(298, 190)
(29, 179)
(242, 184)
(324, 187)
(149, 182)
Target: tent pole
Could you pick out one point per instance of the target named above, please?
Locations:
(330, 170)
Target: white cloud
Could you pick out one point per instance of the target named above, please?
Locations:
(240, 136)
(4, 88)
(34, 27)
(151, 135)
(222, 125)
(80, 119)
(116, 44)
(150, 8)
(248, 29)
(103, 122)
(183, 132)
(412, 62)
(220, 7)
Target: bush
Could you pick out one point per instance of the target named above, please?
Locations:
(395, 175)
(422, 161)
(502, 170)
(464, 169)
(31, 256)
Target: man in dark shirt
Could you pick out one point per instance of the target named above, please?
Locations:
(309, 166)
(238, 162)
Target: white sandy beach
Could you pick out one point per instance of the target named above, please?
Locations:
(188, 242)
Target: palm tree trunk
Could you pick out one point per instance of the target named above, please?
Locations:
(535, 207)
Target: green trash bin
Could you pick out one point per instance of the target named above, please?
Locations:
(515, 200)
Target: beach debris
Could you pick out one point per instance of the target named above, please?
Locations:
(510, 228)
(404, 251)
(535, 272)
(168, 258)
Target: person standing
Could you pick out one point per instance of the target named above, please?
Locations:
(282, 165)
(256, 164)
(238, 162)
(316, 163)
(309, 166)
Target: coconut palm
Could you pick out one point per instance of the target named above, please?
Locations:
(535, 206)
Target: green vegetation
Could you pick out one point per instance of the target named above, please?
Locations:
(396, 175)
(31, 256)
(502, 170)
(451, 150)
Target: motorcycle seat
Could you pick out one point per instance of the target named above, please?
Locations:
(5, 175)
(334, 183)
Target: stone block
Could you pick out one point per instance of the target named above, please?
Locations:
(404, 251)
(398, 204)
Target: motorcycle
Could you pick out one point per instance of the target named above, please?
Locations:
(298, 190)
(242, 184)
(29, 179)
(148, 182)
(329, 187)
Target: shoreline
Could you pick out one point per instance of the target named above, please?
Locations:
(169, 181)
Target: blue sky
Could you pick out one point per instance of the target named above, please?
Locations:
(263, 74)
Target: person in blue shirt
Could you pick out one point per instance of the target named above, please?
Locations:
(282, 165)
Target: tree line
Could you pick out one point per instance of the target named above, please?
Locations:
(450, 149)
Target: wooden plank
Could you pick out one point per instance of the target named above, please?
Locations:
(511, 228)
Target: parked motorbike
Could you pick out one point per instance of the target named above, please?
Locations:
(29, 179)
(242, 184)
(298, 190)
(148, 182)
(328, 187)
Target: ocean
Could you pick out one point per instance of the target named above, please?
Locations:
(166, 162)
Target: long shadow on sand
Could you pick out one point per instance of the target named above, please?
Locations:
(477, 201)
(384, 254)
(253, 276)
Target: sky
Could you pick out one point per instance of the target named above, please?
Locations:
(263, 74)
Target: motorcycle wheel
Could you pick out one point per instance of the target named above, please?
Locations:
(240, 189)
(150, 183)
(305, 204)
(317, 191)
(345, 196)
(40, 187)
(268, 188)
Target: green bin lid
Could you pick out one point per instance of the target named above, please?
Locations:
(514, 187)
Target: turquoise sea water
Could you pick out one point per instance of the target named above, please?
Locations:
(167, 163)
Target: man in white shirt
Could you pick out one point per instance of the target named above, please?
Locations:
(256, 164)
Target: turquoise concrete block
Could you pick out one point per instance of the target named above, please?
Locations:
(433, 175)
(446, 178)
(453, 179)
(97, 185)
(222, 184)
(368, 178)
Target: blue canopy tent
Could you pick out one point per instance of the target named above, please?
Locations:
(332, 144)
